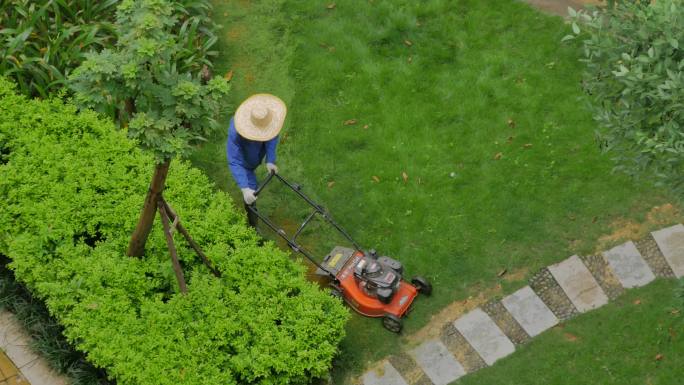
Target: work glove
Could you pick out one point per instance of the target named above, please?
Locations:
(248, 195)
(272, 168)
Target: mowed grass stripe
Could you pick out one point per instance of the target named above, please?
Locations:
(476, 102)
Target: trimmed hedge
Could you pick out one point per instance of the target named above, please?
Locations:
(71, 187)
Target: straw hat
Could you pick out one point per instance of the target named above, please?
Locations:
(260, 117)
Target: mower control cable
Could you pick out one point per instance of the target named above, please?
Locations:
(318, 209)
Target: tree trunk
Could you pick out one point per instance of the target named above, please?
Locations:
(136, 247)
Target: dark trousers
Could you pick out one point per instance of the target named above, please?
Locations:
(252, 218)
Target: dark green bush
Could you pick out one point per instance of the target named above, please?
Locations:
(44, 40)
(634, 51)
(71, 186)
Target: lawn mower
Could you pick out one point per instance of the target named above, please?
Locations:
(371, 284)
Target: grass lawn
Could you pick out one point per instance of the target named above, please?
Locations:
(467, 150)
(638, 339)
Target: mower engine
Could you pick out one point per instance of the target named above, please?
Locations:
(379, 277)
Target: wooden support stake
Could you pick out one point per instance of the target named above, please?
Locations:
(172, 248)
(191, 241)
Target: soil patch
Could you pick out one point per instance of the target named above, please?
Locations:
(623, 229)
(560, 7)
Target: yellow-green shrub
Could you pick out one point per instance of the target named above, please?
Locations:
(70, 188)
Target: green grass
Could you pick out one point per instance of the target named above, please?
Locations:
(618, 344)
(443, 87)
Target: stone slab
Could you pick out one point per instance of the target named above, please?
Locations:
(629, 267)
(578, 283)
(670, 240)
(465, 354)
(16, 344)
(649, 250)
(548, 289)
(604, 275)
(387, 375)
(485, 337)
(530, 311)
(505, 321)
(438, 363)
(14, 341)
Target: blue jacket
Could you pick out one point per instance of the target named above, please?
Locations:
(245, 155)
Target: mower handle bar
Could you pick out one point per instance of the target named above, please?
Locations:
(318, 209)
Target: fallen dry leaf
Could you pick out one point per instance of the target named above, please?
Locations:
(510, 139)
(408, 43)
(229, 75)
(502, 272)
(365, 126)
(674, 312)
(527, 145)
(570, 337)
(511, 123)
(375, 178)
(331, 183)
(404, 176)
(330, 48)
(659, 357)
(350, 122)
(331, 6)
(498, 155)
(637, 302)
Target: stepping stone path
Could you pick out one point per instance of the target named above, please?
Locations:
(558, 292)
(671, 243)
(440, 366)
(530, 311)
(579, 285)
(629, 266)
(483, 334)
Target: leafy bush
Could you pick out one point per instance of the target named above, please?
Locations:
(44, 40)
(142, 80)
(635, 74)
(71, 188)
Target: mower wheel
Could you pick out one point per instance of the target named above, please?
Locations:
(422, 284)
(392, 323)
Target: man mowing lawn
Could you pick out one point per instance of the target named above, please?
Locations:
(253, 135)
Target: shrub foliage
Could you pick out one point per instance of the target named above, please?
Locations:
(43, 41)
(634, 51)
(71, 186)
(152, 81)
